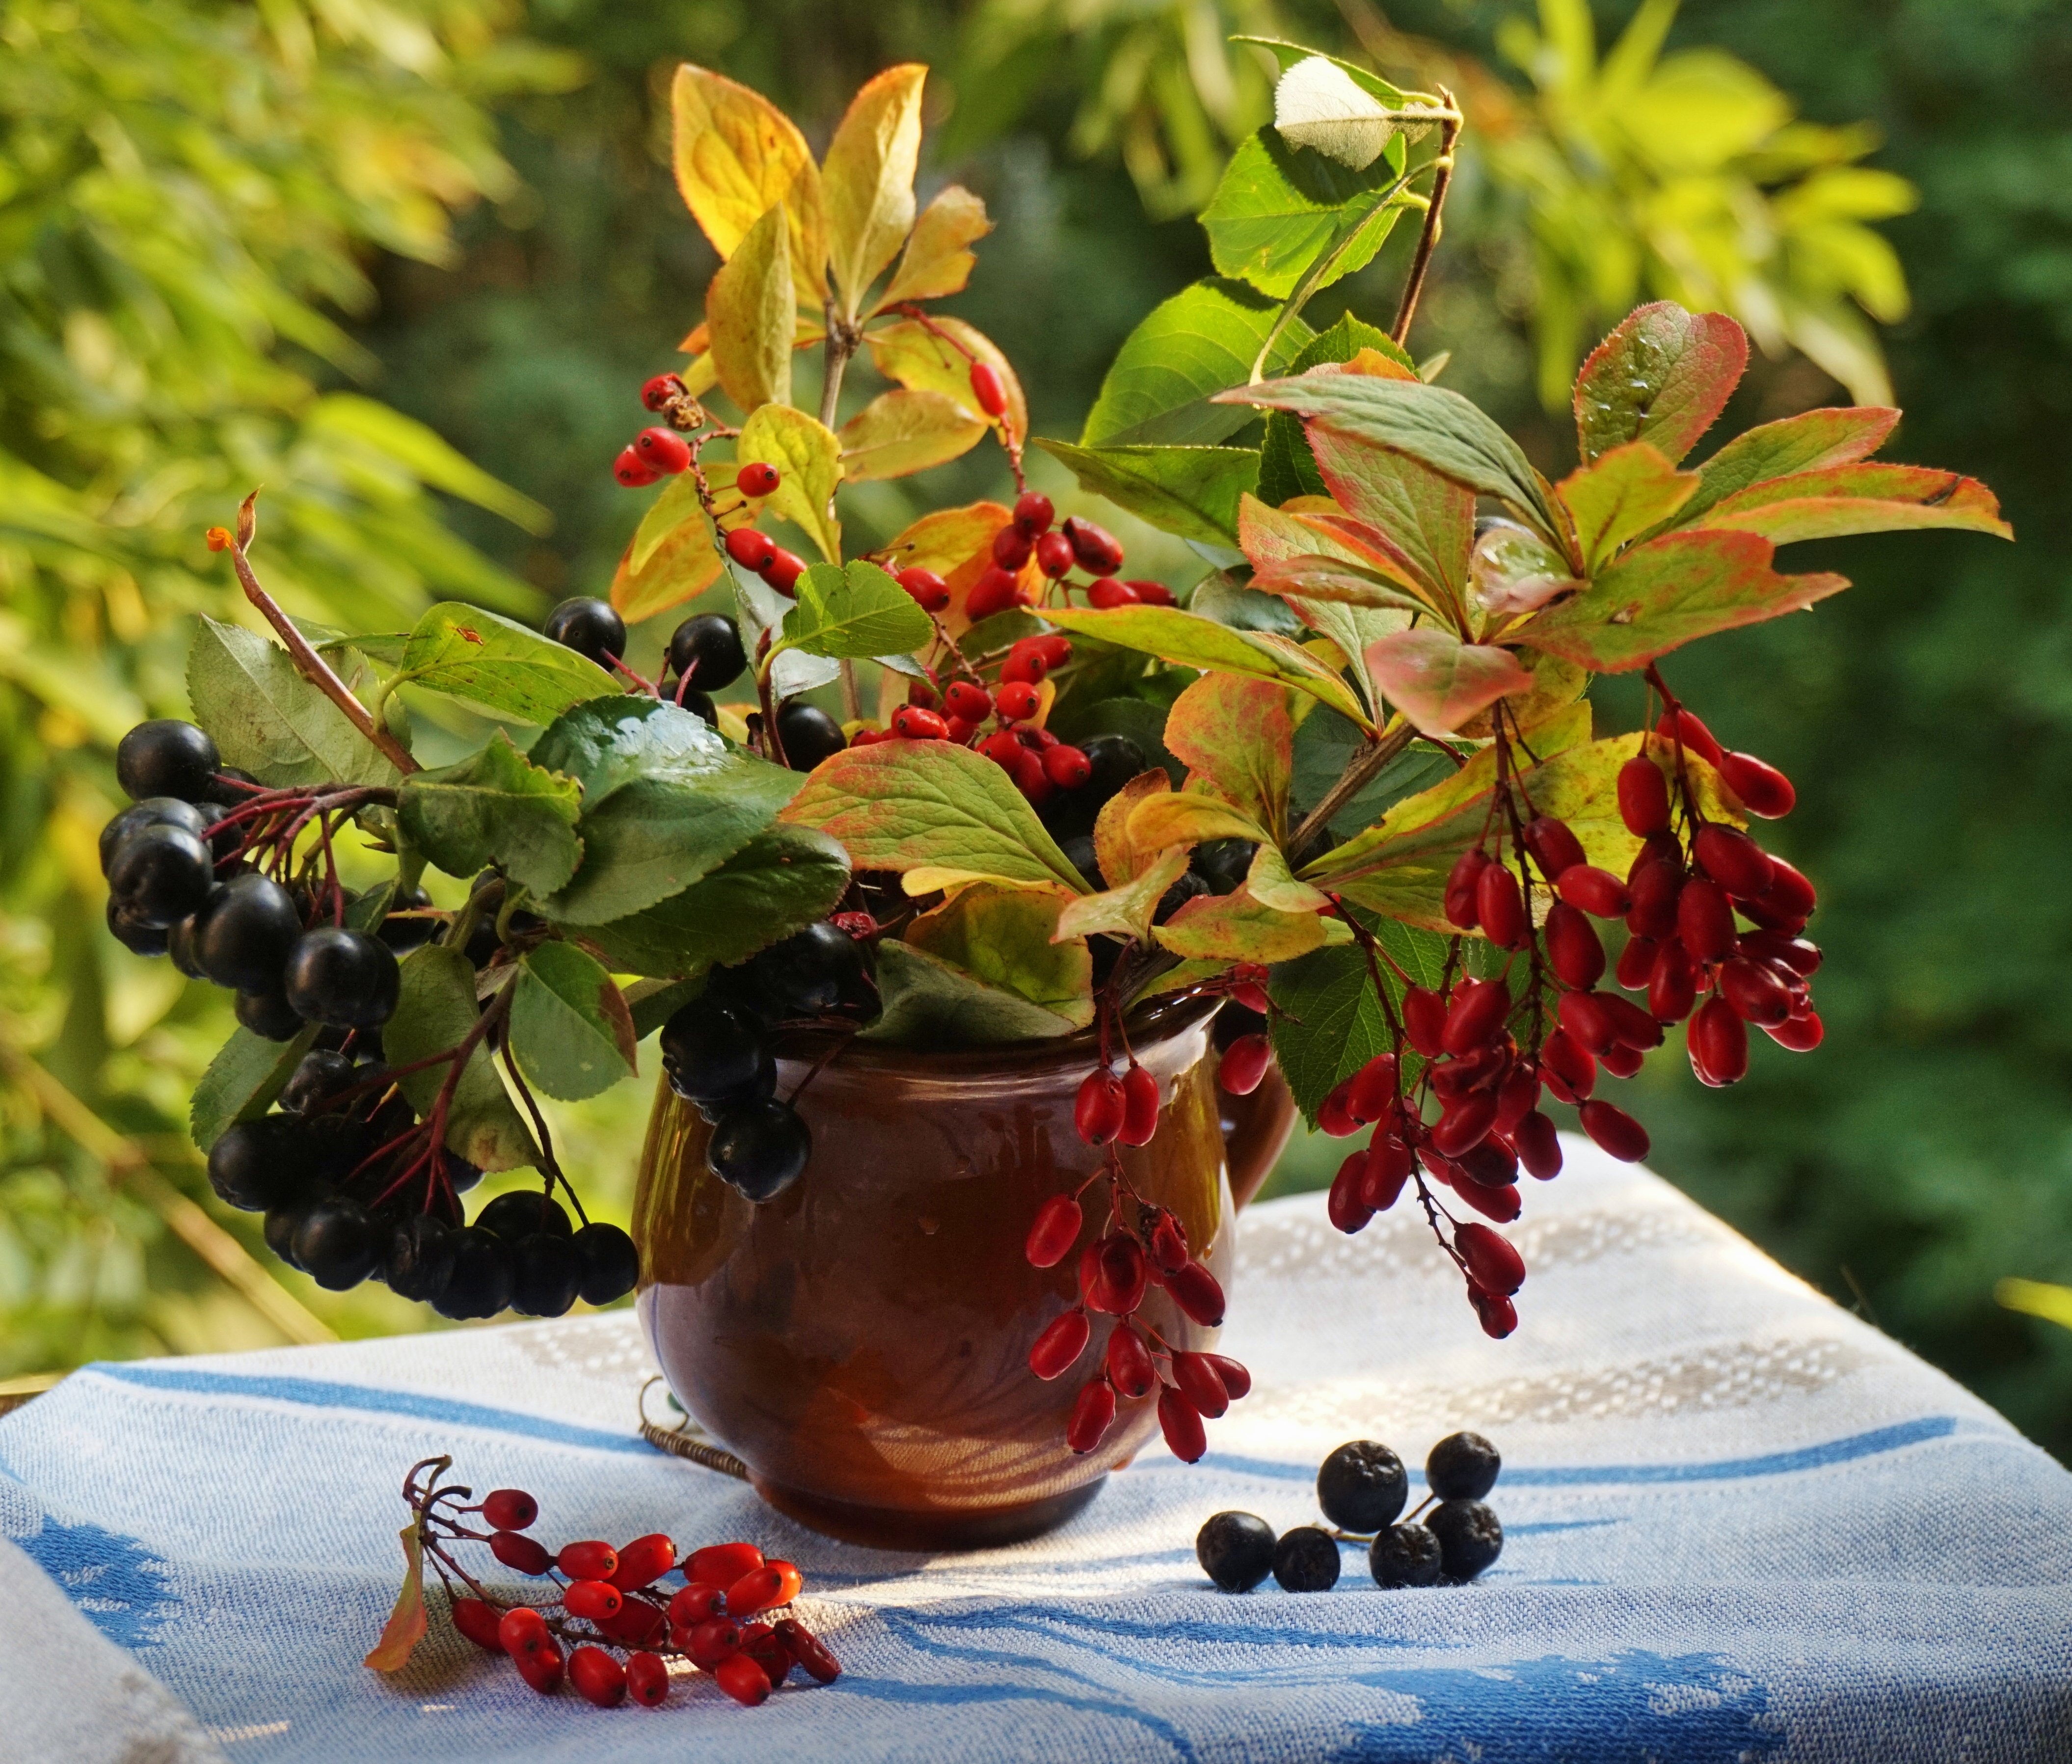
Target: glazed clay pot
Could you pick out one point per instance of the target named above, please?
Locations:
(862, 1341)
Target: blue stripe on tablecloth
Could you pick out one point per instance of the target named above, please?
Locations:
(317, 1393)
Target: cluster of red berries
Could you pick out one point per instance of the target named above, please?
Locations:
(613, 1627)
(1486, 1050)
(1028, 534)
(1144, 1246)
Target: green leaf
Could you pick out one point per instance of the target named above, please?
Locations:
(1839, 500)
(1279, 207)
(434, 1011)
(1437, 681)
(941, 815)
(571, 1032)
(930, 1003)
(1427, 518)
(652, 1003)
(242, 1081)
(1624, 492)
(807, 457)
(247, 693)
(1194, 642)
(858, 612)
(1125, 911)
(1429, 423)
(1234, 732)
(1810, 441)
(1005, 937)
(495, 807)
(748, 314)
(1658, 596)
(1236, 928)
(1330, 1022)
(1662, 376)
(780, 882)
(1229, 601)
(1286, 468)
(1187, 349)
(1192, 491)
(492, 662)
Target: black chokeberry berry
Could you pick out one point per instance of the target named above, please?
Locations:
(139, 939)
(1306, 1560)
(482, 942)
(480, 1283)
(1236, 1550)
(461, 1175)
(280, 1229)
(160, 873)
(319, 1074)
(153, 811)
(610, 1263)
(1361, 1487)
(343, 978)
(1115, 760)
(180, 946)
(166, 757)
(1405, 1556)
(546, 1274)
(268, 1015)
(699, 704)
(1224, 863)
(809, 735)
(244, 931)
(760, 1149)
(255, 1165)
(419, 1261)
(810, 972)
(1189, 887)
(404, 929)
(225, 841)
(1462, 1467)
(710, 1049)
(589, 628)
(708, 647)
(1080, 849)
(522, 1214)
(337, 1243)
(1470, 1537)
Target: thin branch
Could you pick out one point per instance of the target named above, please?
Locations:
(1354, 779)
(1428, 240)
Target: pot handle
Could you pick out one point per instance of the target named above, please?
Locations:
(1255, 1130)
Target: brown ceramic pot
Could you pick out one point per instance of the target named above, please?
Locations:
(862, 1341)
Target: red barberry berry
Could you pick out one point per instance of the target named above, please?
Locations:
(1622, 1061)
(1334, 1114)
(1099, 552)
(1031, 779)
(1654, 890)
(1733, 860)
(657, 392)
(589, 1561)
(1127, 1363)
(986, 388)
(1597, 892)
(750, 549)
(663, 449)
(1424, 1020)
(1346, 1204)
(1063, 1339)
(631, 471)
(1753, 992)
(1197, 1292)
(1151, 593)
(1765, 792)
(761, 1643)
(1099, 1110)
(1492, 1260)
(1034, 513)
(1573, 949)
(930, 592)
(1106, 594)
(638, 1624)
(597, 1677)
(809, 1650)
(1497, 1314)
(722, 1564)
(1243, 1064)
(1636, 962)
(1567, 1063)
(997, 590)
(1717, 1040)
(1140, 1106)
(1616, 1131)
(1201, 1384)
(1180, 1422)
(1476, 1015)
(479, 1622)
(1798, 1034)
(1696, 737)
(755, 1591)
(1025, 662)
(1501, 908)
(967, 700)
(1373, 1089)
(1672, 989)
(1587, 1019)
(1388, 1166)
(1789, 896)
(1056, 1229)
(756, 478)
(1053, 555)
(739, 1676)
(1704, 921)
(643, 1561)
(1538, 1146)
(1121, 1271)
(509, 1509)
(1016, 700)
(715, 1640)
(540, 1667)
(1643, 798)
(910, 722)
(1463, 912)
(1011, 548)
(647, 1679)
(1093, 1413)
(1554, 846)
(1066, 766)
(593, 1600)
(783, 570)
(513, 1549)
(790, 1582)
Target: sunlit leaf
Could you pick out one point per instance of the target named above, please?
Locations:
(1189, 817)
(809, 460)
(1513, 570)
(1286, 467)
(1624, 492)
(1437, 681)
(737, 156)
(922, 358)
(1868, 498)
(867, 180)
(858, 611)
(930, 1003)
(1008, 938)
(673, 556)
(901, 432)
(1191, 491)
(748, 311)
(1235, 927)
(937, 260)
(247, 694)
(503, 666)
(1117, 854)
(495, 807)
(1661, 376)
(1812, 440)
(1429, 519)
(1281, 205)
(1236, 733)
(1125, 911)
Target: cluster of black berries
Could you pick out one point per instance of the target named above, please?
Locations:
(178, 887)
(1362, 1487)
(352, 1190)
(718, 1051)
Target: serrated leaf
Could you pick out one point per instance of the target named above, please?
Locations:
(1235, 927)
(434, 1011)
(1191, 492)
(749, 305)
(1281, 205)
(571, 1032)
(930, 1003)
(1658, 596)
(809, 460)
(937, 260)
(1662, 376)
(652, 1003)
(247, 694)
(1158, 388)
(1625, 491)
(762, 610)
(1840, 500)
(901, 432)
(1125, 911)
(737, 156)
(867, 180)
(407, 1622)
(858, 612)
(1437, 681)
(1429, 519)
(1237, 734)
(1811, 441)
(927, 357)
(938, 814)
(242, 1081)
(501, 666)
(1286, 468)
(1010, 939)
(780, 882)
(495, 807)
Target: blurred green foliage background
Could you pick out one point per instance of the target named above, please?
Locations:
(404, 262)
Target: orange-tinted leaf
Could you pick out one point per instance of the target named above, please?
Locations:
(1437, 681)
(748, 314)
(737, 156)
(1316, 578)
(1235, 732)
(407, 1622)
(1868, 497)
(1658, 596)
(867, 180)
(939, 260)
(1118, 856)
(1430, 520)
(1235, 927)
(956, 544)
(1662, 375)
(680, 567)
(1011, 938)
(912, 355)
(901, 432)
(1126, 911)
(1189, 817)
(1810, 441)
(1620, 495)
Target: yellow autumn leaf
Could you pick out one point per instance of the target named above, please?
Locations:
(737, 156)
(748, 311)
(901, 432)
(681, 565)
(914, 356)
(938, 261)
(809, 460)
(807, 331)
(947, 540)
(867, 180)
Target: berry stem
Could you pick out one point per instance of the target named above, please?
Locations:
(1360, 771)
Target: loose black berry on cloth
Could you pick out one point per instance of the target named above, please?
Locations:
(1462, 1467)
(1363, 1486)
(1306, 1560)
(1236, 1550)
(1470, 1535)
(166, 757)
(1406, 1556)
(589, 628)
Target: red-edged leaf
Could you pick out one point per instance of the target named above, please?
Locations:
(1437, 681)
(1235, 732)
(1318, 577)
(1429, 520)
(1662, 375)
(1620, 495)
(1868, 498)
(1235, 927)
(1516, 571)
(1660, 595)
(407, 1623)
(1810, 441)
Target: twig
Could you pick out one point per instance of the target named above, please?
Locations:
(1428, 240)
(1355, 778)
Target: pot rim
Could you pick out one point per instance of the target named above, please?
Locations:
(1159, 1020)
